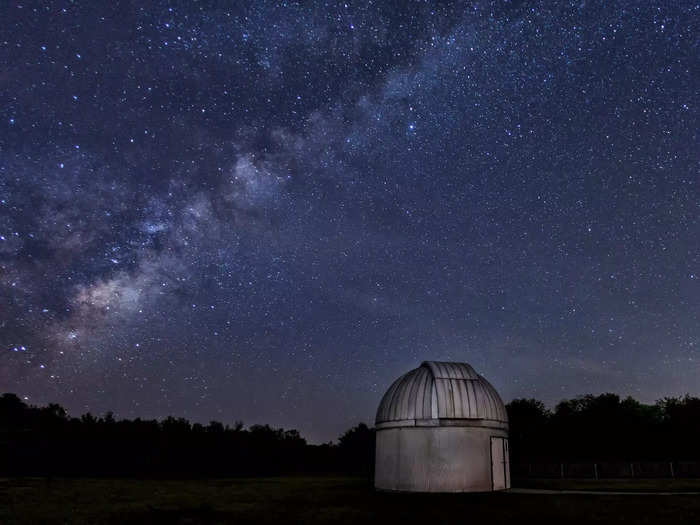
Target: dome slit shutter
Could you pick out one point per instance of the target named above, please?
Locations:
(459, 390)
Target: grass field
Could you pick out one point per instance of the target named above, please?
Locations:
(615, 485)
(318, 500)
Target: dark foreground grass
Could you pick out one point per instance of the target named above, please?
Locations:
(615, 485)
(312, 500)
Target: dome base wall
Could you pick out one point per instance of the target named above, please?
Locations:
(435, 459)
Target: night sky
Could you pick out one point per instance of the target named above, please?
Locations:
(268, 212)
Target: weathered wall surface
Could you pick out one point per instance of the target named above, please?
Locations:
(435, 459)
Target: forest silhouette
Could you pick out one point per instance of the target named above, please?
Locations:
(46, 441)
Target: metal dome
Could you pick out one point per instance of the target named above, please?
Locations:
(441, 394)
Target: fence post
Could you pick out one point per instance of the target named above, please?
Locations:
(561, 470)
(670, 466)
(632, 468)
(595, 470)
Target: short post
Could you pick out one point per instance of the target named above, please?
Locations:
(561, 470)
(632, 469)
(670, 466)
(595, 470)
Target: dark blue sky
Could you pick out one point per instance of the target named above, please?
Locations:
(268, 212)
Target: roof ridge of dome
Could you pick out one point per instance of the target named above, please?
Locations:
(451, 370)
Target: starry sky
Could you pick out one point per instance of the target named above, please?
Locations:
(268, 211)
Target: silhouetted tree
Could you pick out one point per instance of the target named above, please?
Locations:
(529, 424)
(357, 449)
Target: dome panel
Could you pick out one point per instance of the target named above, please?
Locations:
(409, 397)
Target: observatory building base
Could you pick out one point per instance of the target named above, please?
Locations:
(440, 459)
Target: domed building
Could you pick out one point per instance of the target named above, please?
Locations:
(442, 428)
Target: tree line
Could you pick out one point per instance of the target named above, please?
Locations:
(605, 428)
(47, 441)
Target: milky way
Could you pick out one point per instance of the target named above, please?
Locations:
(267, 213)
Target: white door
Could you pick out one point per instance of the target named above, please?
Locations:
(500, 464)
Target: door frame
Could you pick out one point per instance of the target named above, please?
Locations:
(506, 473)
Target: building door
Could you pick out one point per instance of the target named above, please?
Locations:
(500, 463)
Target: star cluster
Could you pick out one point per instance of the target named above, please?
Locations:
(268, 211)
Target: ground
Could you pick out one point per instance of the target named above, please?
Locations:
(327, 500)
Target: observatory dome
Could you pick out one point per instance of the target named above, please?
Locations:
(442, 428)
(440, 390)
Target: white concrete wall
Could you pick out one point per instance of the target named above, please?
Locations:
(435, 459)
